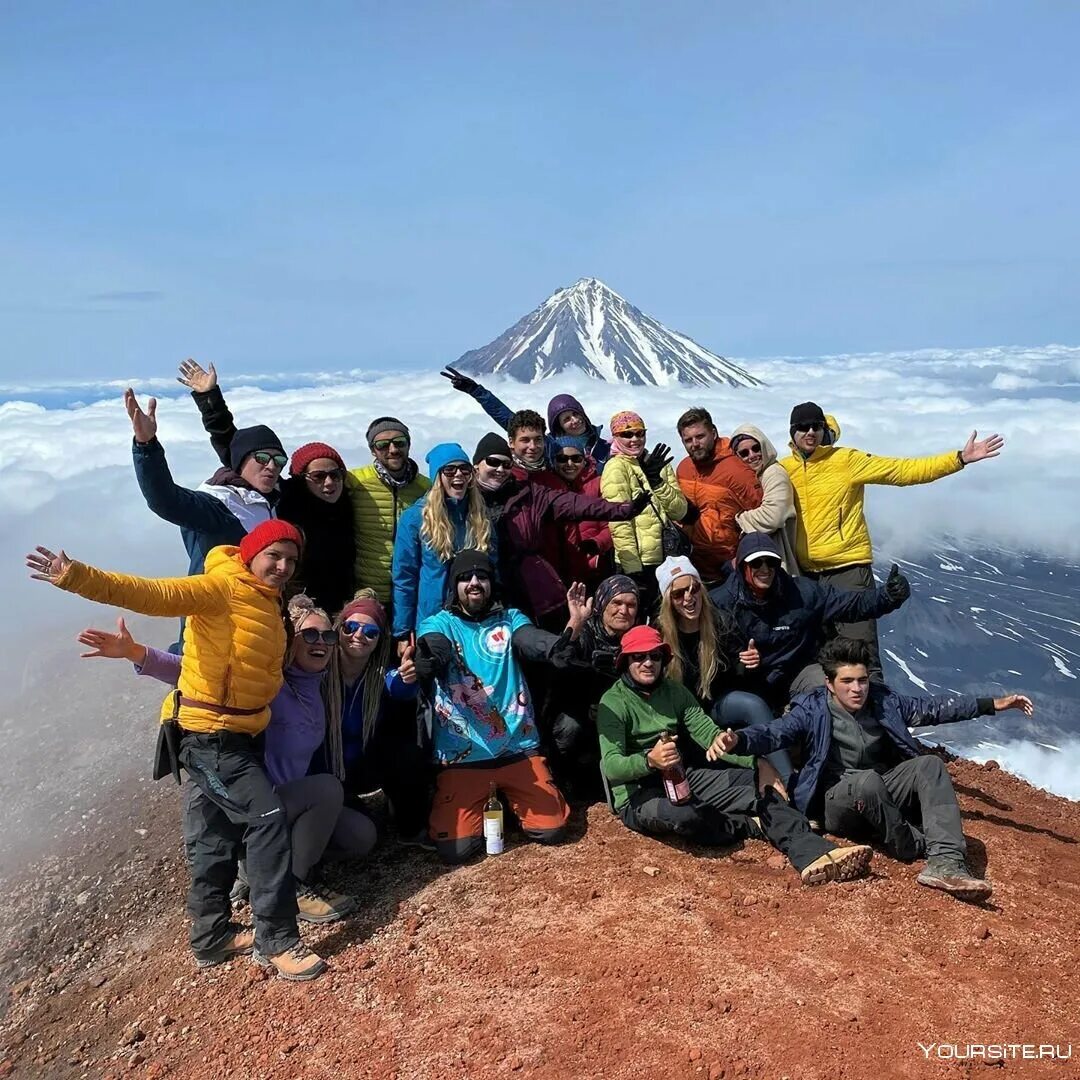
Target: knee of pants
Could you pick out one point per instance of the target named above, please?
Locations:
(738, 709)
(870, 787)
(930, 765)
(459, 851)
(546, 836)
(566, 732)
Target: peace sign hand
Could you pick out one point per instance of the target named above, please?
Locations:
(45, 565)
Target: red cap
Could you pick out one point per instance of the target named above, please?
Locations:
(267, 533)
(309, 452)
(642, 639)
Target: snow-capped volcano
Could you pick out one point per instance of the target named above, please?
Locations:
(589, 327)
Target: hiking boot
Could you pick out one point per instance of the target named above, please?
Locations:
(419, 839)
(840, 864)
(298, 964)
(952, 876)
(239, 943)
(317, 905)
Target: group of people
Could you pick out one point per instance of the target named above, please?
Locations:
(558, 616)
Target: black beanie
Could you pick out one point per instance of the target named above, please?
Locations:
(491, 443)
(249, 439)
(809, 412)
(465, 562)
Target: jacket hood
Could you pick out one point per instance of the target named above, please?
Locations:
(768, 451)
(832, 429)
(560, 403)
(225, 561)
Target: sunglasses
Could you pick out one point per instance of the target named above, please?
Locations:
(690, 590)
(369, 630)
(745, 451)
(313, 636)
(320, 476)
(631, 433)
(655, 655)
(498, 463)
(480, 575)
(264, 457)
(452, 470)
(569, 459)
(815, 426)
(399, 442)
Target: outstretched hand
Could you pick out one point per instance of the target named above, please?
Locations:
(580, 606)
(45, 565)
(984, 448)
(655, 461)
(196, 378)
(459, 381)
(1014, 701)
(118, 646)
(144, 424)
(724, 743)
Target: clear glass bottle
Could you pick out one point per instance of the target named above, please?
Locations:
(493, 823)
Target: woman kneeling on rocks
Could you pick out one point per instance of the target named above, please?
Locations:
(234, 645)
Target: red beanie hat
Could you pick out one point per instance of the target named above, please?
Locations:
(310, 452)
(642, 639)
(365, 605)
(267, 533)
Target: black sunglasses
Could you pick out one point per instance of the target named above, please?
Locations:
(569, 459)
(399, 442)
(815, 426)
(745, 451)
(312, 636)
(656, 655)
(320, 476)
(498, 463)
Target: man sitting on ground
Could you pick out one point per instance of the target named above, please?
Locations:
(863, 773)
(645, 718)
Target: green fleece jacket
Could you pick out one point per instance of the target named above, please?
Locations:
(630, 722)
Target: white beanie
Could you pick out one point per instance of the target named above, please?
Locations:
(672, 568)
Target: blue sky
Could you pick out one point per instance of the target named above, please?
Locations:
(318, 186)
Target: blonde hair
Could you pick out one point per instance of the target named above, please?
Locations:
(299, 609)
(710, 657)
(373, 676)
(437, 530)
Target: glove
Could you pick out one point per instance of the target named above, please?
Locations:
(562, 651)
(459, 381)
(641, 501)
(897, 587)
(433, 655)
(654, 462)
(589, 547)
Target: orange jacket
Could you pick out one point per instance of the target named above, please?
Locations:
(720, 488)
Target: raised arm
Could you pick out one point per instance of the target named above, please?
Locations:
(854, 605)
(496, 409)
(866, 468)
(217, 420)
(571, 506)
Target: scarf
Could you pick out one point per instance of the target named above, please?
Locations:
(406, 477)
(537, 466)
(606, 591)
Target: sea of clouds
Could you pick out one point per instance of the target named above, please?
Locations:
(66, 478)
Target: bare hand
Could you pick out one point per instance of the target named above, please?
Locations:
(581, 607)
(46, 566)
(1014, 701)
(724, 743)
(985, 448)
(750, 657)
(767, 777)
(196, 378)
(144, 424)
(664, 754)
(407, 665)
(118, 646)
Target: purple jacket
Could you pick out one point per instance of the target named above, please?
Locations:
(525, 513)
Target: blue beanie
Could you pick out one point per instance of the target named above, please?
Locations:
(445, 453)
(576, 442)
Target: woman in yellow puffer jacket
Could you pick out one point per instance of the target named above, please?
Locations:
(234, 648)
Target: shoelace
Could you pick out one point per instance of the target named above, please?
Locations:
(300, 951)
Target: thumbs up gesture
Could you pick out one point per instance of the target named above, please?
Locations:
(407, 662)
(750, 657)
(897, 587)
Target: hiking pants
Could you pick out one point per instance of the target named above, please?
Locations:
(910, 810)
(856, 577)
(238, 815)
(724, 798)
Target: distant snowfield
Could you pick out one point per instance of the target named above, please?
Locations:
(66, 478)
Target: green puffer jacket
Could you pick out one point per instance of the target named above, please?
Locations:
(639, 543)
(376, 510)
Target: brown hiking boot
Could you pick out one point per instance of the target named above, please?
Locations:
(298, 964)
(240, 943)
(317, 905)
(840, 864)
(954, 878)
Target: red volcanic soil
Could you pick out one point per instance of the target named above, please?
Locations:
(610, 956)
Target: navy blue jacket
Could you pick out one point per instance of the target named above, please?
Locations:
(788, 625)
(809, 724)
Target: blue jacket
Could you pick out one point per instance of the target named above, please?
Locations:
(419, 575)
(788, 625)
(597, 448)
(809, 724)
(205, 521)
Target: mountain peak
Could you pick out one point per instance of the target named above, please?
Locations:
(589, 327)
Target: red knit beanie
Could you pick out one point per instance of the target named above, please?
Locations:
(267, 533)
(364, 605)
(310, 452)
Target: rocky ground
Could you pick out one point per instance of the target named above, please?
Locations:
(611, 956)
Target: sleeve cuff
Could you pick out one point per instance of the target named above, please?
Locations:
(986, 706)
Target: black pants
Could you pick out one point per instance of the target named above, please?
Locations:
(856, 577)
(724, 799)
(911, 809)
(231, 811)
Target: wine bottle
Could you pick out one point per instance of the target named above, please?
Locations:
(676, 786)
(493, 823)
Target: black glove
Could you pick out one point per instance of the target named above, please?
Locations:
(562, 651)
(641, 501)
(433, 655)
(897, 587)
(459, 381)
(589, 547)
(654, 462)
